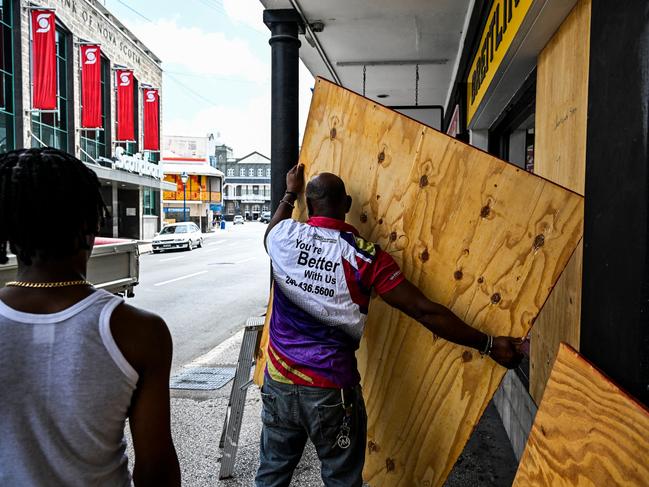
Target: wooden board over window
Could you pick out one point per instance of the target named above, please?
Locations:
(587, 431)
(476, 234)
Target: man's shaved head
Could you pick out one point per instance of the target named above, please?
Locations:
(326, 196)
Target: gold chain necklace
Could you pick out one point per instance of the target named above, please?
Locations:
(48, 284)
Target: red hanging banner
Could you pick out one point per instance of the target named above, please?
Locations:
(43, 60)
(151, 119)
(91, 109)
(125, 108)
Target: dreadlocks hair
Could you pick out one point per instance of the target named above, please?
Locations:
(32, 183)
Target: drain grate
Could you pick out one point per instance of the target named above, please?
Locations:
(202, 378)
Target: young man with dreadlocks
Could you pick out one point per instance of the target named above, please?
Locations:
(75, 361)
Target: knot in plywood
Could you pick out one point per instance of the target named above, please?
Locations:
(333, 133)
(458, 275)
(424, 256)
(539, 241)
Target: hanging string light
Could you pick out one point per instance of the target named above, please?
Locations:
(364, 78)
(417, 85)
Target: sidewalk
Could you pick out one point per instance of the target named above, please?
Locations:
(197, 420)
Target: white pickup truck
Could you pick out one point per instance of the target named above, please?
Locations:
(114, 266)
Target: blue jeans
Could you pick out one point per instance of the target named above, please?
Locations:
(293, 413)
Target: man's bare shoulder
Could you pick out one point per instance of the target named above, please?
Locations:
(141, 336)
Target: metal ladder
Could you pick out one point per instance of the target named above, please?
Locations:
(234, 414)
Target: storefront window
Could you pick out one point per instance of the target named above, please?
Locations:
(93, 142)
(51, 128)
(150, 201)
(6, 77)
(153, 157)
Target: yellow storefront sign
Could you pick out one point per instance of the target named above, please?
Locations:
(503, 22)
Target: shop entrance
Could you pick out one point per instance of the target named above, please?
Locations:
(129, 213)
(511, 137)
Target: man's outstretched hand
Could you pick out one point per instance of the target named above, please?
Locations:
(507, 351)
(295, 179)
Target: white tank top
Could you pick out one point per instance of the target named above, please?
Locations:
(65, 392)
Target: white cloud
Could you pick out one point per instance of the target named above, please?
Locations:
(246, 127)
(201, 52)
(247, 12)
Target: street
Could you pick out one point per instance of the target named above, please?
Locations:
(206, 294)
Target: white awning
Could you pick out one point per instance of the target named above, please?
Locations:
(190, 168)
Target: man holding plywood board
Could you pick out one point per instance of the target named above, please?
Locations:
(323, 274)
(477, 235)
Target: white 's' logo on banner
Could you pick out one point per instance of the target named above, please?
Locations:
(91, 55)
(125, 79)
(150, 96)
(43, 21)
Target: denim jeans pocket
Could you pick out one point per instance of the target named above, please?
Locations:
(269, 408)
(330, 419)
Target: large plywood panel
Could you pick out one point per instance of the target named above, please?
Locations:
(477, 234)
(560, 155)
(587, 432)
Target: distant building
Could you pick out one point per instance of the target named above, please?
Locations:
(247, 183)
(200, 198)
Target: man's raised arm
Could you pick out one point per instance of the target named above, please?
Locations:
(294, 186)
(442, 322)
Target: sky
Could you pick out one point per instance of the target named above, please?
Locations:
(216, 67)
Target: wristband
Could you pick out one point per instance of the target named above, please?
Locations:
(488, 346)
(292, 193)
(288, 203)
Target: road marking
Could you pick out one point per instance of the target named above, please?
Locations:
(173, 258)
(180, 278)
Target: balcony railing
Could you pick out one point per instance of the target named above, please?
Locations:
(247, 197)
(206, 196)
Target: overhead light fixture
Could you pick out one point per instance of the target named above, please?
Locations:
(403, 62)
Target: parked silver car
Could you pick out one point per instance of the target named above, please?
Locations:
(184, 235)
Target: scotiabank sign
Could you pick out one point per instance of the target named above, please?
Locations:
(137, 166)
(503, 22)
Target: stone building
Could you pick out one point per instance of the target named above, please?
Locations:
(131, 178)
(247, 183)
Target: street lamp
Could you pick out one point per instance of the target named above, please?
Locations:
(184, 177)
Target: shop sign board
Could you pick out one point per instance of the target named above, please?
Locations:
(504, 20)
(136, 165)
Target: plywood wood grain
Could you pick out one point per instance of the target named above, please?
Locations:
(587, 432)
(560, 156)
(476, 234)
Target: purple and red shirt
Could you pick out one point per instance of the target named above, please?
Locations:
(324, 273)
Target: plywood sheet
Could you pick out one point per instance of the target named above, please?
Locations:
(560, 156)
(587, 432)
(476, 234)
